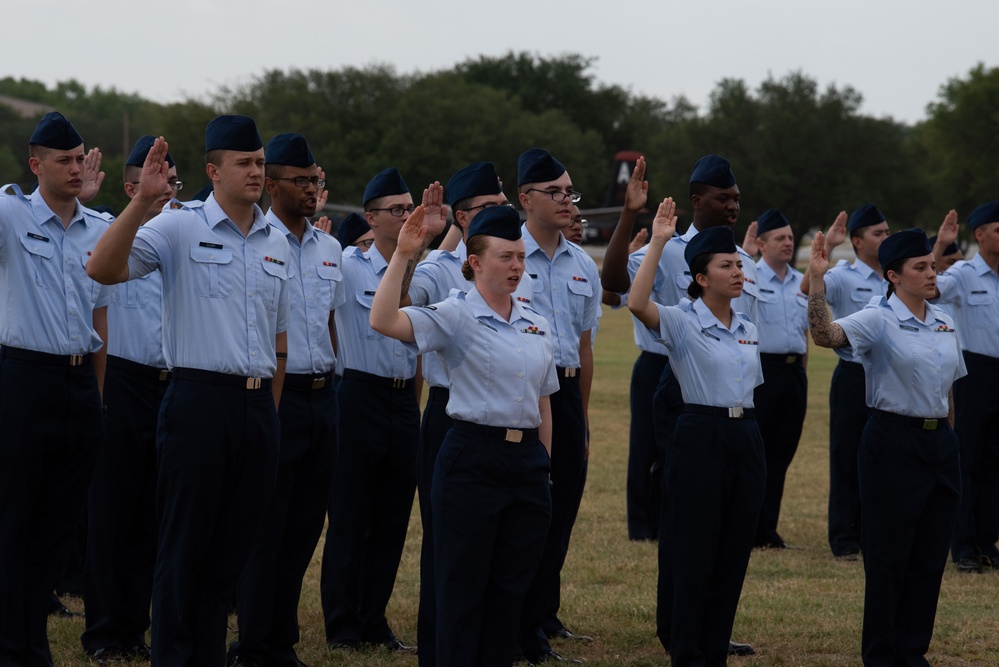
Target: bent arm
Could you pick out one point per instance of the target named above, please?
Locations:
(386, 317)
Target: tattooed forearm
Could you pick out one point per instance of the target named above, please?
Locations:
(407, 276)
(824, 332)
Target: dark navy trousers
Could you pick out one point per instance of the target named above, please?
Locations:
(433, 428)
(910, 487)
(369, 506)
(217, 456)
(567, 476)
(644, 485)
(716, 476)
(847, 417)
(121, 537)
(50, 418)
(491, 508)
(976, 422)
(780, 413)
(271, 585)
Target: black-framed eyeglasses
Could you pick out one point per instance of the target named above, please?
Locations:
(396, 211)
(582, 222)
(558, 196)
(483, 206)
(366, 243)
(304, 181)
(175, 185)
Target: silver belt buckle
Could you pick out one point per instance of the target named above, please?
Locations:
(791, 358)
(735, 413)
(318, 383)
(930, 424)
(569, 373)
(76, 360)
(165, 375)
(514, 435)
(253, 383)
(398, 383)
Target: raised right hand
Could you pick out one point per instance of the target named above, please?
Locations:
(638, 188)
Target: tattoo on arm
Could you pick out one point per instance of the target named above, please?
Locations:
(407, 277)
(825, 332)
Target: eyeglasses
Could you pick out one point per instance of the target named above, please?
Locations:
(396, 211)
(175, 185)
(303, 181)
(582, 222)
(472, 208)
(366, 243)
(558, 196)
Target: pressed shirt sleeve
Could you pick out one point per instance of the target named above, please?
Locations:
(863, 329)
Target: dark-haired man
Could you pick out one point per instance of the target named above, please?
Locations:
(53, 324)
(224, 332)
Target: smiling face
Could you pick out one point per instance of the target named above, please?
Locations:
(723, 275)
(498, 266)
(917, 277)
(59, 172)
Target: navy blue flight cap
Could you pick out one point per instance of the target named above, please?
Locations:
(711, 240)
(865, 216)
(903, 245)
(536, 165)
(949, 250)
(352, 228)
(385, 183)
(55, 131)
(232, 133)
(770, 220)
(141, 149)
(289, 148)
(478, 178)
(204, 193)
(987, 212)
(500, 221)
(713, 170)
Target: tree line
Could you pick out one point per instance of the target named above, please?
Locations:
(794, 145)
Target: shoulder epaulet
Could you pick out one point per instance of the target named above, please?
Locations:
(744, 317)
(14, 190)
(106, 217)
(842, 263)
(184, 205)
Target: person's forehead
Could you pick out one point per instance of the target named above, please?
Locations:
(55, 153)
(714, 191)
(559, 183)
(404, 199)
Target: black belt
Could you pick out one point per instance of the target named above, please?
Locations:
(654, 356)
(308, 381)
(788, 359)
(370, 378)
(566, 372)
(142, 370)
(728, 413)
(931, 424)
(496, 432)
(46, 358)
(222, 379)
(439, 393)
(975, 358)
(853, 365)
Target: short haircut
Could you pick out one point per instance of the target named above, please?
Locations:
(698, 190)
(38, 151)
(215, 156)
(131, 173)
(274, 170)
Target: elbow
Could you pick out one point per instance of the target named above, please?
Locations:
(100, 275)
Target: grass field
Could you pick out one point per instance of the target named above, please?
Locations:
(798, 607)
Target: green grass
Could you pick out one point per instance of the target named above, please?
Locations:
(798, 607)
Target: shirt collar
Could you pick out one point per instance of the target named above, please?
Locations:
(981, 267)
(862, 268)
(531, 246)
(215, 215)
(41, 210)
(278, 224)
(707, 319)
(689, 234)
(903, 313)
(768, 274)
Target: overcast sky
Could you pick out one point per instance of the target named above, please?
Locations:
(897, 53)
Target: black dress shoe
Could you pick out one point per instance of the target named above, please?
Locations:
(395, 645)
(564, 633)
(110, 655)
(735, 648)
(552, 656)
(848, 555)
(969, 566)
(342, 645)
(140, 652)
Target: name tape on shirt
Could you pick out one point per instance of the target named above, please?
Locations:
(213, 246)
(38, 237)
(709, 334)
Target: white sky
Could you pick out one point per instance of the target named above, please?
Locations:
(897, 53)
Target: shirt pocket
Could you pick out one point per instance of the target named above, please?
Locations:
(683, 280)
(329, 278)
(861, 297)
(579, 292)
(364, 300)
(982, 312)
(212, 271)
(40, 254)
(93, 285)
(270, 283)
(770, 306)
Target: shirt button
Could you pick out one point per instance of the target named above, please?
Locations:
(211, 257)
(249, 294)
(936, 390)
(521, 374)
(738, 379)
(72, 312)
(73, 337)
(558, 312)
(518, 349)
(520, 399)
(253, 354)
(251, 323)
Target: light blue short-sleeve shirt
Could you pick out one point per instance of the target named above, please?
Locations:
(971, 288)
(716, 365)
(315, 288)
(224, 295)
(909, 365)
(566, 292)
(498, 370)
(849, 288)
(783, 311)
(135, 321)
(433, 280)
(48, 300)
